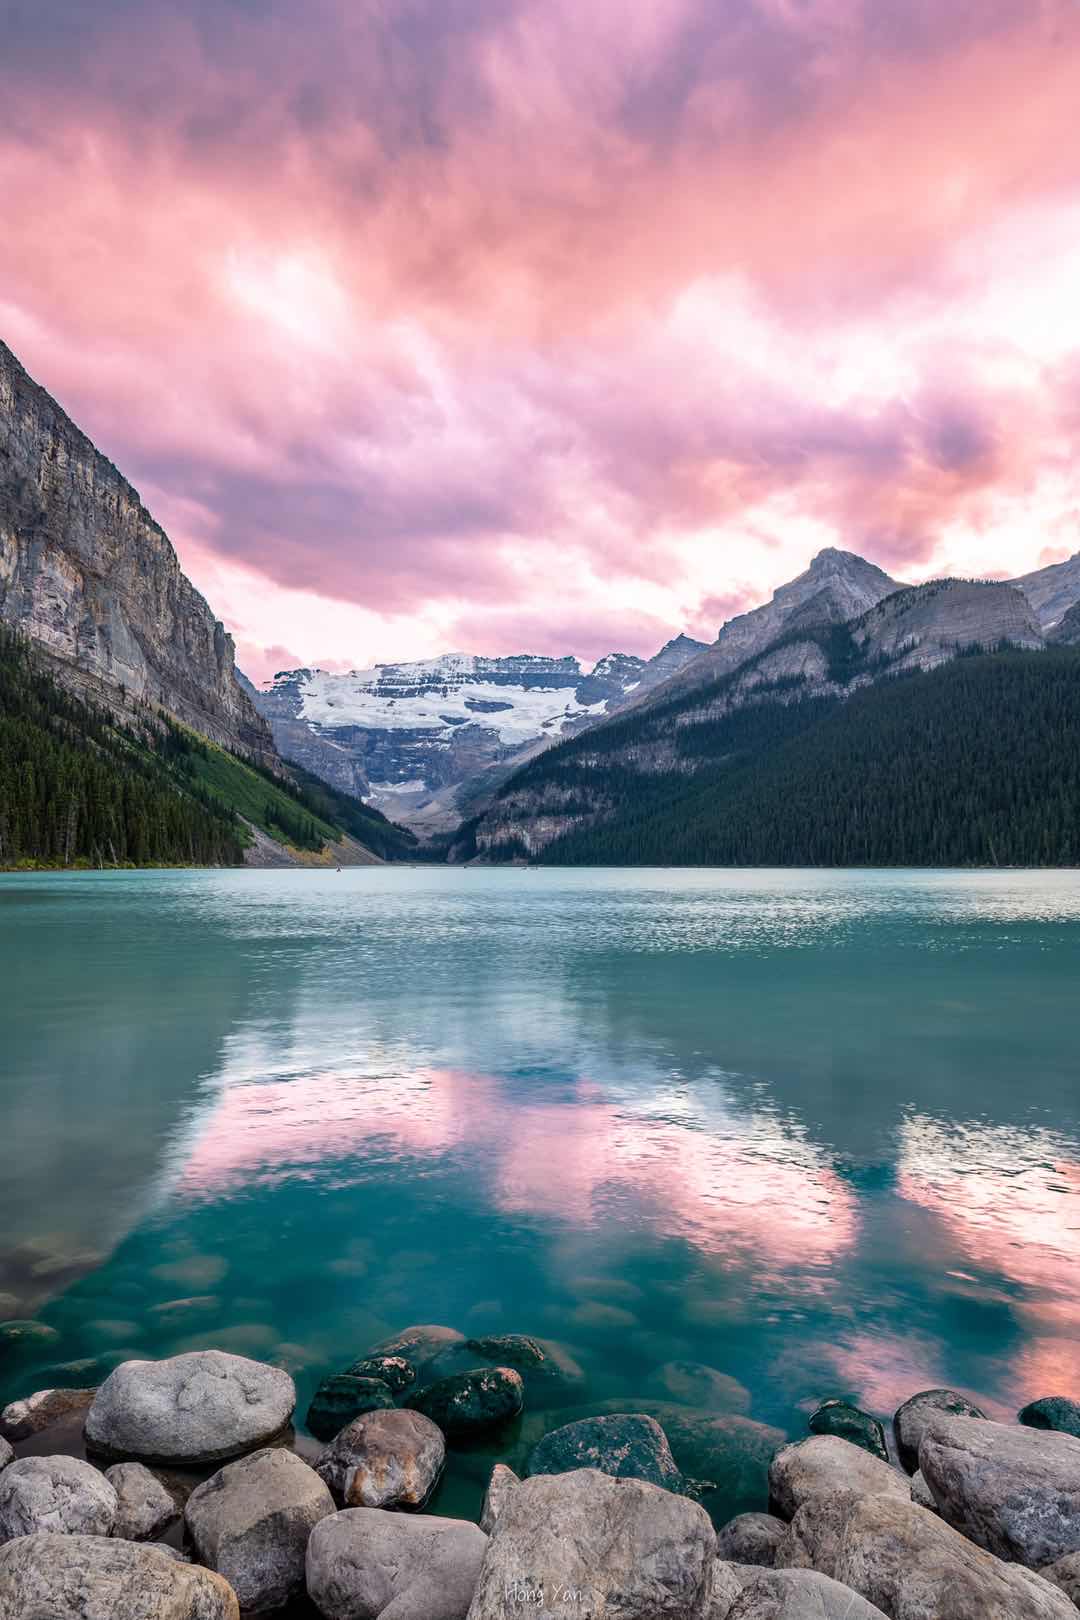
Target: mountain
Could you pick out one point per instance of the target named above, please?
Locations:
(427, 741)
(1052, 591)
(89, 577)
(804, 660)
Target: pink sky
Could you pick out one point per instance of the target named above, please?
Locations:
(534, 325)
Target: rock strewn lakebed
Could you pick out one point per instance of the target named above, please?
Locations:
(193, 1498)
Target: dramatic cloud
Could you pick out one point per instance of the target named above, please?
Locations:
(522, 324)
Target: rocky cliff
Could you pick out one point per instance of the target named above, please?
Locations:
(94, 582)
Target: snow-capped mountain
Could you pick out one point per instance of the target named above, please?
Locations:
(425, 741)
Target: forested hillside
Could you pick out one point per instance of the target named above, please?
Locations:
(974, 763)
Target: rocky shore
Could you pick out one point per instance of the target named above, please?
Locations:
(194, 1499)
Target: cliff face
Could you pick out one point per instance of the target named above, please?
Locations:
(88, 576)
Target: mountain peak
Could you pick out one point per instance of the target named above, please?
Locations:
(831, 560)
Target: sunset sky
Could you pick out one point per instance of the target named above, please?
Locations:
(552, 325)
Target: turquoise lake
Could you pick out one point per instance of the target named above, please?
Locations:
(817, 1130)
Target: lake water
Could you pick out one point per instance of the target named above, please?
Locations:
(820, 1131)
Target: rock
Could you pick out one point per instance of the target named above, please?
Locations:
(47, 1577)
(915, 1567)
(21, 1419)
(911, 1419)
(384, 1459)
(850, 1423)
(812, 1540)
(694, 1384)
(17, 1334)
(627, 1446)
(6, 1454)
(417, 1345)
(726, 1586)
(550, 1374)
(251, 1522)
(1053, 1412)
(502, 1481)
(471, 1402)
(144, 1507)
(200, 1407)
(1014, 1491)
(799, 1594)
(363, 1563)
(60, 1495)
(750, 1538)
(341, 1398)
(824, 1464)
(393, 1371)
(584, 1543)
(921, 1493)
(1065, 1573)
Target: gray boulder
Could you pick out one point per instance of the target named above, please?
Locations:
(726, 1585)
(910, 1420)
(915, 1567)
(751, 1538)
(626, 1446)
(56, 1495)
(799, 1594)
(470, 1402)
(814, 1536)
(201, 1407)
(571, 1545)
(850, 1423)
(694, 1384)
(384, 1459)
(144, 1508)
(6, 1454)
(21, 1419)
(47, 1577)
(341, 1398)
(1065, 1573)
(1014, 1491)
(251, 1522)
(363, 1563)
(1052, 1412)
(503, 1480)
(921, 1493)
(825, 1464)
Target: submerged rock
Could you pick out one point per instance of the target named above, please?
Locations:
(850, 1423)
(200, 1407)
(625, 1446)
(825, 1464)
(585, 1543)
(692, 1383)
(471, 1402)
(1013, 1490)
(416, 1346)
(1053, 1412)
(549, 1372)
(384, 1459)
(341, 1398)
(799, 1594)
(98, 1578)
(18, 1334)
(393, 1371)
(55, 1495)
(363, 1563)
(910, 1420)
(21, 1419)
(144, 1507)
(251, 1522)
(502, 1481)
(750, 1538)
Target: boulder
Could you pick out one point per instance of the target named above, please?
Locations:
(470, 1402)
(799, 1594)
(750, 1538)
(364, 1562)
(812, 1539)
(17, 1335)
(571, 1545)
(727, 1583)
(1053, 1412)
(144, 1507)
(915, 1567)
(384, 1459)
(58, 1495)
(503, 1480)
(921, 1493)
(550, 1374)
(824, 1464)
(6, 1454)
(850, 1423)
(393, 1371)
(1065, 1573)
(1014, 1491)
(911, 1419)
(627, 1446)
(416, 1345)
(341, 1398)
(22, 1419)
(201, 1407)
(692, 1383)
(251, 1522)
(47, 1577)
